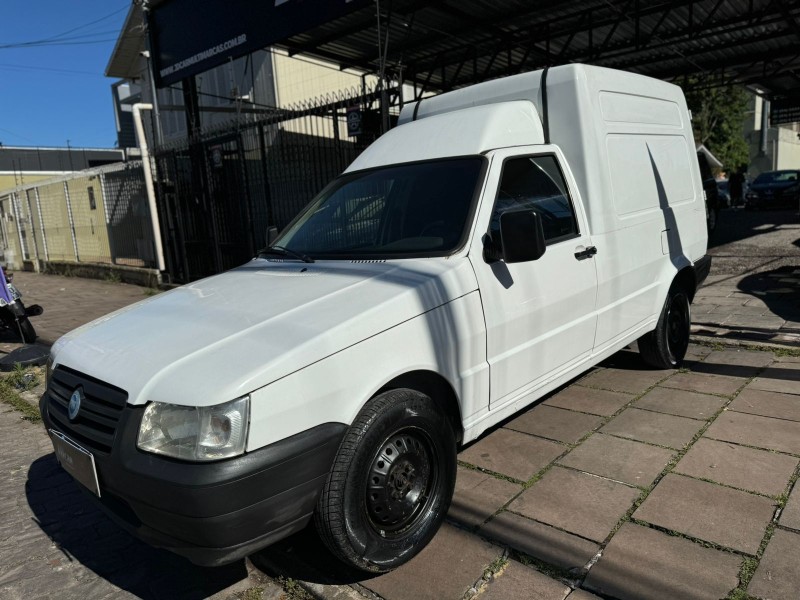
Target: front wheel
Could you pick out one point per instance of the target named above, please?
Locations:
(665, 347)
(26, 330)
(391, 483)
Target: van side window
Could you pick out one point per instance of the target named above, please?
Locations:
(536, 182)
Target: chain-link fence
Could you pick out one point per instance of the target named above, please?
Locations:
(93, 216)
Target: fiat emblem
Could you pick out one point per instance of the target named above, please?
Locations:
(74, 404)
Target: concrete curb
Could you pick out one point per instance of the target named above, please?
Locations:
(136, 275)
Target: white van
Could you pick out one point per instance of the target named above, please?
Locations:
(500, 241)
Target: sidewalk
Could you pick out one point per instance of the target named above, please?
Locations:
(629, 483)
(758, 307)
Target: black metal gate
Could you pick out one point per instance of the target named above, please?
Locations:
(219, 191)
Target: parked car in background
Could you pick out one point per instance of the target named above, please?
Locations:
(774, 189)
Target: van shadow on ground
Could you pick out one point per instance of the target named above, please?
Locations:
(85, 535)
(303, 556)
(735, 225)
(779, 289)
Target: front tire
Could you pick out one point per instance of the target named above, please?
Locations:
(665, 347)
(26, 330)
(391, 483)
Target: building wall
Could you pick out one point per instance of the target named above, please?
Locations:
(89, 220)
(783, 144)
(9, 181)
(299, 79)
(248, 86)
(233, 91)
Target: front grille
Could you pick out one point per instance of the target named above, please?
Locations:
(102, 405)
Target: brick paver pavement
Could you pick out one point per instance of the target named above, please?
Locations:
(69, 302)
(539, 511)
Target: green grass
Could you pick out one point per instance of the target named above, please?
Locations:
(727, 345)
(551, 571)
(17, 378)
(10, 387)
(8, 395)
(739, 594)
(496, 566)
(293, 590)
(253, 593)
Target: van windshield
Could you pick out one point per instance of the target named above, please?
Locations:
(410, 210)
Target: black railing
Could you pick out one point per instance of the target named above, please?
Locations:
(219, 191)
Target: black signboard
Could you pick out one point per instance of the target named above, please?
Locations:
(354, 121)
(784, 111)
(192, 36)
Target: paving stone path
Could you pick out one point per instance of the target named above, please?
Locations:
(629, 483)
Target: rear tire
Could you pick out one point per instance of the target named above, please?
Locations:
(665, 347)
(391, 483)
(711, 221)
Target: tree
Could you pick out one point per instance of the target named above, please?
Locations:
(718, 118)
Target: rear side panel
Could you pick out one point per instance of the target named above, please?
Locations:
(633, 153)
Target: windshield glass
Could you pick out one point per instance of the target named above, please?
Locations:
(778, 177)
(419, 209)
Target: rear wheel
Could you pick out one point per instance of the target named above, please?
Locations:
(711, 221)
(665, 347)
(391, 483)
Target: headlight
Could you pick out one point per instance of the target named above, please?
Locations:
(195, 433)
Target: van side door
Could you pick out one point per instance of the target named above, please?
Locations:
(540, 315)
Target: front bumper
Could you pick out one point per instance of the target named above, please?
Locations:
(211, 513)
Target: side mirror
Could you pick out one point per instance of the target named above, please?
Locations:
(522, 235)
(272, 235)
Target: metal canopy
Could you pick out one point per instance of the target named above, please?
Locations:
(443, 44)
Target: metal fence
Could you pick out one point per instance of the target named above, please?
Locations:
(93, 216)
(220, 190)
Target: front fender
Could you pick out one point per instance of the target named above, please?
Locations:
(449, 340)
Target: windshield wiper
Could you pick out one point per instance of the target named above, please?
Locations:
(280, 250)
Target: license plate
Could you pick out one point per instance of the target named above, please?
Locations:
(76, 461)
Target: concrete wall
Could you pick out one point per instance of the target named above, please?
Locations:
(9, 181)
(783, 144)
(300, 79)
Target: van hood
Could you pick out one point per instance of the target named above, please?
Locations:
(223, 337)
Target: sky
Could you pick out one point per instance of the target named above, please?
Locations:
(53, 54)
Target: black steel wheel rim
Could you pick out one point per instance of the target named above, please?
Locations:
(678, 327)
(401, 482)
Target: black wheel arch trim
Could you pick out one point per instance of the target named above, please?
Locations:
(702, 267)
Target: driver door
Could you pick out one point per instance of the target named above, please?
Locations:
(540, 315)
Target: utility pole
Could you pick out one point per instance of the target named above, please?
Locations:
(148, 54)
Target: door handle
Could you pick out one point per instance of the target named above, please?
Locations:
(589, 252)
